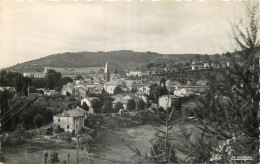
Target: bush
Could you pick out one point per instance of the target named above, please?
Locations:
(86, 139)
(123, 121)
(48, 131)
(73, 133)
(92, 121)
(20, 134)
(158, 147)
(144, 117)
(110, 123)
(58, 129)
(54, 137)
(66, 136)
(54, 157)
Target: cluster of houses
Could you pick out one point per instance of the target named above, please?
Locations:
(198, 65)
(130, 90)
(36, 75)
(80, 88)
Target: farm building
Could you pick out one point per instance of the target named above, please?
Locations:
(70, 120)
(167, 101)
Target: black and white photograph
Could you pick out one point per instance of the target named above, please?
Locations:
(129, 81)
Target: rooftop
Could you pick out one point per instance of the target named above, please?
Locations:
(71, 113)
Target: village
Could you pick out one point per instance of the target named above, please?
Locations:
(129, 82)
(107, 100)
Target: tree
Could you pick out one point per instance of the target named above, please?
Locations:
(52, 78)
(64, 81)
(107, 106)
(162, 82)
(117, 90)
(5, 96)
(96, 105)
(130, 104)
(18, 86)
(162, 150)
(54, 157)
(78, 77)
(118, 106)
(150, 65)
(38, 120)
(140, 104)
(159, 91)
(85, 106)
(232, 121)
(68, 94)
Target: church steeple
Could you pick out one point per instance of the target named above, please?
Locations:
(106, 73)
(106, 69)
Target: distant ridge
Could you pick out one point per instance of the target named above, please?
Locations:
(123, 59)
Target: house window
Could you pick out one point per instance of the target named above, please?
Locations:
(58, 119)
(68, 126)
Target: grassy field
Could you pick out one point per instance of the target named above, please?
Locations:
(111, 148)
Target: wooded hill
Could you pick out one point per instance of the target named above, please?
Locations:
(122, 59)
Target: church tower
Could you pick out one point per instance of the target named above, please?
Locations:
(106, 73)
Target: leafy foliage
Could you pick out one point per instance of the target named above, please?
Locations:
(108, 106)
(52, 78)
(130, 104)
(140, 104)
(118, 106)
(117, 90)
(156, 91)
(85, 106)
(96, 105)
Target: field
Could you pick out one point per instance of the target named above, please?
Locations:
(111, 148)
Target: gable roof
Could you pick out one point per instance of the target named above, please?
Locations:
(80, 110)
(71, 113)
(117, 100)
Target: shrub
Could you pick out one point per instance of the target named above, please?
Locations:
(54, 157)
(66, 136)
(20, 134)
(86, 139)
(123, 121)
(92, 121)
(131, 104)
(48, 131)
(73, 133)
(158, 147)
(110, 123)
(58, 129)
(144, 117)
(140, 105)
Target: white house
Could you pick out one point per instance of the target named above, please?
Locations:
(182, 92)
(69, 120)
(135, 72)
(111, 85)
(166, 101)
(68, 88)
(123, 100)
(145, 89)
(39, 75)
(51, 92)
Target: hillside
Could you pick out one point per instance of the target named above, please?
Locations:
(122, 59)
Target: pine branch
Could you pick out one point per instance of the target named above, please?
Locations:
(158, 129)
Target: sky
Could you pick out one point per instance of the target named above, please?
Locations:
(31, 30)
